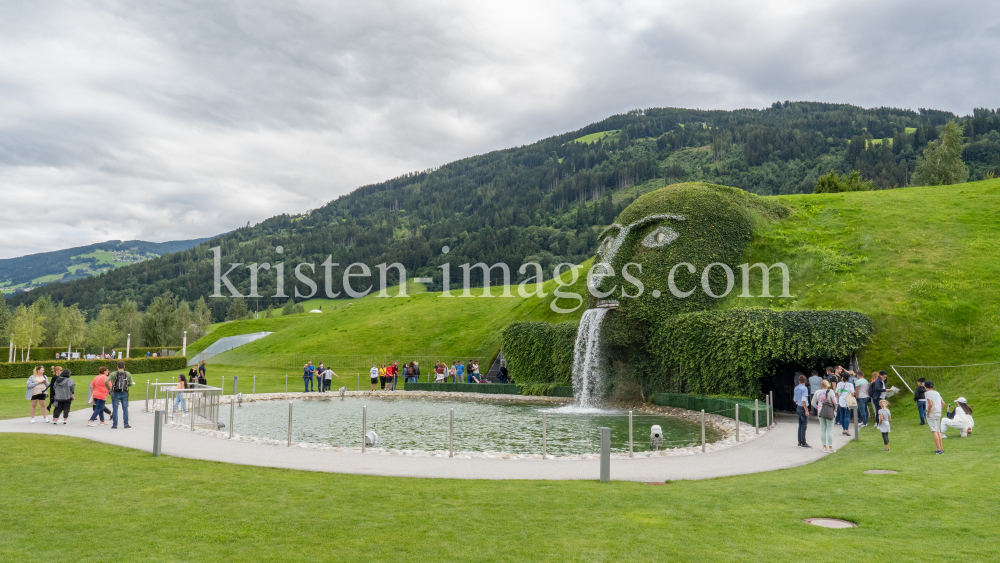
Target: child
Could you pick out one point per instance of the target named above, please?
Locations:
(884, 416)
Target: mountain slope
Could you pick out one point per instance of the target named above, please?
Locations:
(34, 270)
(548, 201)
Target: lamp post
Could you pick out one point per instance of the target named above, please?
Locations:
(128, 346)
(184, 346)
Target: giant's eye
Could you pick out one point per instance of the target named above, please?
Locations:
(659, 236)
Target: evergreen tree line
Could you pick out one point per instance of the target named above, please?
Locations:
(548, 201)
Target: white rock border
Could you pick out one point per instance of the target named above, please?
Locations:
(725, 426)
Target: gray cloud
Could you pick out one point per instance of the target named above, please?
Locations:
(178, 119)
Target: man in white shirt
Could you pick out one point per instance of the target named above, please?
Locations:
(935, 409)
(374, 376)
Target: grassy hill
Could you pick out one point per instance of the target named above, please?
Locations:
(920, 261)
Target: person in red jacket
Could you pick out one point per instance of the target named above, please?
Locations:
(99, 391)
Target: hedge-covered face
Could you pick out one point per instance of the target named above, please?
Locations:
(696, 224)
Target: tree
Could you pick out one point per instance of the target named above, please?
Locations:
(237, 310)
(201, 315)
(104, 331)
(941, 163)
(71, 326)
(6, 320)
(28, 329)
(129, 320)
(159, 324)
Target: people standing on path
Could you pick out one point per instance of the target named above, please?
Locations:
(35, 392)
(99, 392)
(415, 371)
(65, 391)
(118, 384)
(825, 403)
(921, 400)
(374, 376)
(960, 418)
(439, 372)
(884, 416)
(935, 410)
(504, 374)
(381, 377)
(845, 392)
(455, 372)
(179, 398)
(405, 373)
(861, 393)
(201, 373)
(802, 409)
(475, 371)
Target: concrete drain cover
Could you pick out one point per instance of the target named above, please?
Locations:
(830, 523)
(656, 483)
(881, 472)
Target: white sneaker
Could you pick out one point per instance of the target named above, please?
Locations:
(64, 421)
(32, 420)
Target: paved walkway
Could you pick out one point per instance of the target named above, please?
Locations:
(774, 450)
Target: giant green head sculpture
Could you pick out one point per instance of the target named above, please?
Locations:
(684, 244)
(669, 237)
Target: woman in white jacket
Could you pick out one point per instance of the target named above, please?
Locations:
(962, 418)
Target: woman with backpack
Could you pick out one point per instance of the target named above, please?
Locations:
(65, 390)
(35, 392)
(825, 403)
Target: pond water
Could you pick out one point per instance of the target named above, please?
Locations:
(422, 424)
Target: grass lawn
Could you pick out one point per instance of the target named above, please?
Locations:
(937, 508)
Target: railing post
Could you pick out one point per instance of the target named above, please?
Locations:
(254, 385)
(854, 415)
(193, 409)
(772, 408)
(232, 411)
(146, 409)
(236, 380)
(702, 430)
(630, 434)
(289, 424)
(364, 427)
(605, 454)
(756, 416)
(767, 410)
(286, 383)
(159, 417)
(737, 416)
(543, 435)
(451, 435)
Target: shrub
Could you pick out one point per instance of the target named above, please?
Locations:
(539, 353)
(90, 367)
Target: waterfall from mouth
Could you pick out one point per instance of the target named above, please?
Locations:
(588, 358)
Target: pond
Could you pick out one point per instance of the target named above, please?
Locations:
(480, 426)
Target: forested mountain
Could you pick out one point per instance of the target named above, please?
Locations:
(82, 261)
(547, 201)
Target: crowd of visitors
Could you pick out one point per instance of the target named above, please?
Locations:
(834, 396)
(61, 392)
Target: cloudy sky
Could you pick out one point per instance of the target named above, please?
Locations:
(175, 120)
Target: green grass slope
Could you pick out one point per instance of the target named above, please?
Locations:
(922, 262)
(419, 324)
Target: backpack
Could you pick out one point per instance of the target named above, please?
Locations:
(828, 408)
(121, 382)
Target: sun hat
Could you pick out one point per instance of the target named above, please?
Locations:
(960, 400)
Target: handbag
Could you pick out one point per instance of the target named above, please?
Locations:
(851, 401)
(829, 408)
